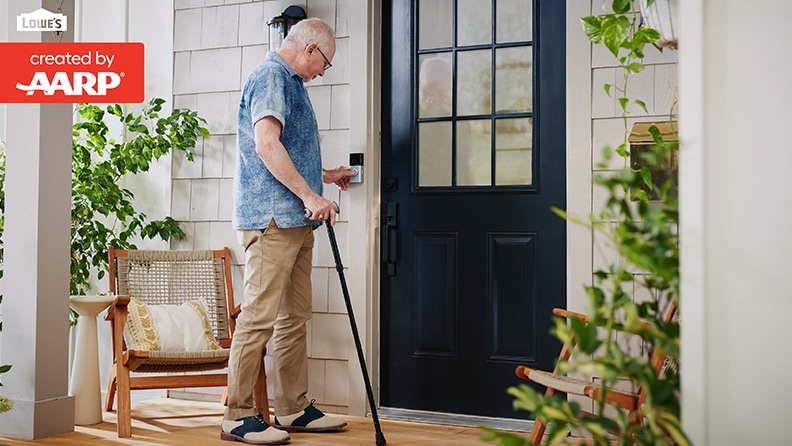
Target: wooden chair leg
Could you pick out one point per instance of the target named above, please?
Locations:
(260, 392)
(124, 411)
(111, 390)
(538, 429)
(537, 432)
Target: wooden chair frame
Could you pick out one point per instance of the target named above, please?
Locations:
(558, 384)
(191, 370)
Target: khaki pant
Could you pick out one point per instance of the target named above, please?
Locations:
(277, 298)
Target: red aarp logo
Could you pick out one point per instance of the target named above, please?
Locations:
(100, 72)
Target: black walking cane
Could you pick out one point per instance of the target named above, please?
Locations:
(380, 438)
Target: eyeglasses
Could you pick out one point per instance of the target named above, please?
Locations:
(327, 62)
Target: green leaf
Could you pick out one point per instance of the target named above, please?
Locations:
(635, 67)
(623, 102)
(586, 334)
(592, 27)
(621, 6)
(614, 32)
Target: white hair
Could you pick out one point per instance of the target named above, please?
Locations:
(308, 31)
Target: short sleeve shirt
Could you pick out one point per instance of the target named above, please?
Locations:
(274, 89)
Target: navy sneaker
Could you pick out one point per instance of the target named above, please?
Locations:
(252, 430)
(309, 420)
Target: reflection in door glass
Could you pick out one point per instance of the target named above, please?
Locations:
(513, 89)
(471, 29)
(513, 152)
(434, 154)
(474, 85)
(474, 153)
(435, 18)
(435, 82)
(514, 21)
(473, 94)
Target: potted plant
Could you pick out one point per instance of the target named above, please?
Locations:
(103, 212)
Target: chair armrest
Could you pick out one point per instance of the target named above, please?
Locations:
(570, 314)
(117, 315)
(585, 319)
(235, 312)
(119, 303)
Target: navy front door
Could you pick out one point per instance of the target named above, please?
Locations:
(473, 259)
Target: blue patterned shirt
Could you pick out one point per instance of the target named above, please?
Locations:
(274, 89)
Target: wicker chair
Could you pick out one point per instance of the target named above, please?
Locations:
(174, 278)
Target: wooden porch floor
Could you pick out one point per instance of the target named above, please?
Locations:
(169, 421)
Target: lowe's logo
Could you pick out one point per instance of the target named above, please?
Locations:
(41, 20)
(79, 84)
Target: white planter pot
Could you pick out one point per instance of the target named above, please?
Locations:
(662, 16)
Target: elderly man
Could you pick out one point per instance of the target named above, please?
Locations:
(279, 175)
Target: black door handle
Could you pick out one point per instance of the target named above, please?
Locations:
(389, 237)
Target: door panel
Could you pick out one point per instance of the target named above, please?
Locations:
(473, 160)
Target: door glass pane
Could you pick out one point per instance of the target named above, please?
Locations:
(434, 154)
(513, 80)
(465, 79)
(474, 87)
(474, 153)
(474, 22)
(513, 151)
(435, 85)
(514, 21)
(435, 19)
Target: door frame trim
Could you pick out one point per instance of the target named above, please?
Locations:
(360, 206)
(579, 157)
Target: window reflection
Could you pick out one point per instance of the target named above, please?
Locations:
(474, 93)
(474, 153)
(514, 21)
(513, 84)
(513, 152)
(435, 92)
(434, 154)
(471, 29)
(435, 19)
(474, 87)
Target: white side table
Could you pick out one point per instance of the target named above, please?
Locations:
(84, 384)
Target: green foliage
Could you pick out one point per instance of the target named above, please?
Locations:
(102, 212)
(6, 404)
(644, 233)
(621, 34)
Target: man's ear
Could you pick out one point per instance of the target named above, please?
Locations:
(309, 49)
